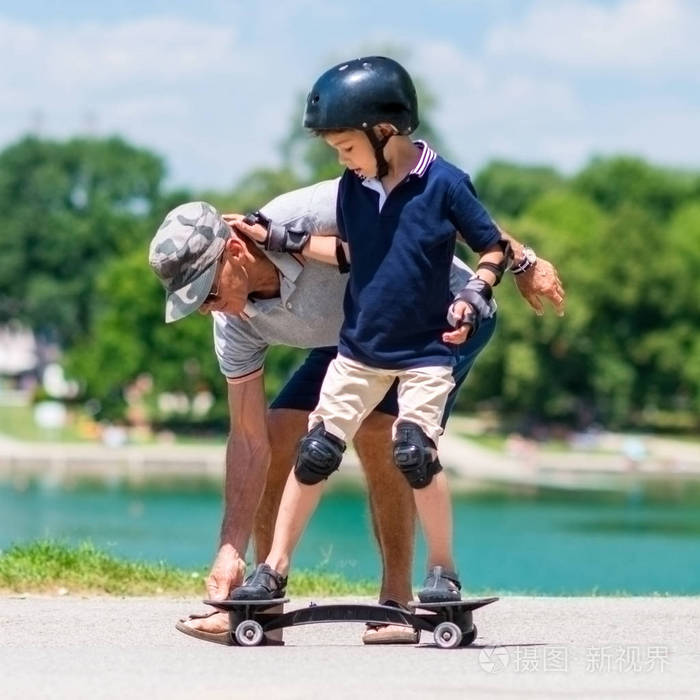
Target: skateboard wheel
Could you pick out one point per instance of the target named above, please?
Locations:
(447, 635)
(249, 633)
(468, 637)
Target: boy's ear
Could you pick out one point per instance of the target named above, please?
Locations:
(385, 130)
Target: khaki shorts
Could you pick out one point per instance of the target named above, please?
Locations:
(351, 390)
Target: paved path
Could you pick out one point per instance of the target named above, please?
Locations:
(527, 648)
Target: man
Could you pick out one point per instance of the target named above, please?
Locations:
(259, 298)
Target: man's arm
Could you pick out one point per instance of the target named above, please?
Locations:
(247, 461)
(540, 280)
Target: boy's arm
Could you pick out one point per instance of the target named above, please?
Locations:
(328, 249)
(283, 239)
(473, 302)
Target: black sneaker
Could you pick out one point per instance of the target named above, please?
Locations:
(263, 584)
(440, 586)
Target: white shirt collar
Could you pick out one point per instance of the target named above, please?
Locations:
(427, 156)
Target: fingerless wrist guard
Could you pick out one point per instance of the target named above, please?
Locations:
(478, 295)
(280, 238)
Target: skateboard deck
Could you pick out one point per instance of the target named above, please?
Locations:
(227, 605)
(456, 605)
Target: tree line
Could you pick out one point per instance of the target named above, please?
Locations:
(78, 216)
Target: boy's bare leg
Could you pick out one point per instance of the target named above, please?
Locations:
(435, 513)
(298, 503)
(286, 427)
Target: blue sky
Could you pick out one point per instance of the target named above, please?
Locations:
(213, 85)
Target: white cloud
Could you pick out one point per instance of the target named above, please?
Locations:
(642, 35)
(470, 88)
(443, 61)
(193, 90)
(486, 112)
(561, 81)
(508, 107)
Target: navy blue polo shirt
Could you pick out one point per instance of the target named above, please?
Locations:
(401, 249)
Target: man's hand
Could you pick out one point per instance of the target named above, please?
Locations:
(542, 280)
(461, 333)
(226, 573)
(256, 232)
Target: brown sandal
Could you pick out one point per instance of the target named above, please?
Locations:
(215, 637)
(390, 634)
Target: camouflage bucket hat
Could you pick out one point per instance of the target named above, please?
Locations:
(184, 253)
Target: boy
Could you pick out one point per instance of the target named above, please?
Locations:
(399, 207)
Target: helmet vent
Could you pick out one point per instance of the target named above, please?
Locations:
(393, 107)
(315, 99)
(343, 67)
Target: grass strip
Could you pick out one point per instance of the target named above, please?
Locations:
(54, 567)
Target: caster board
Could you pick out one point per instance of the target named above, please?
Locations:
(451, 622)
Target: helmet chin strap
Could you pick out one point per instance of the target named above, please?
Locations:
(378, 145)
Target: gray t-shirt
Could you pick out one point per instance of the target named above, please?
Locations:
(309, 311)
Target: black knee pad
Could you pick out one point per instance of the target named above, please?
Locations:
(415, 455)
(318, 456)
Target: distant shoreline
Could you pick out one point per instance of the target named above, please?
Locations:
(471, 465)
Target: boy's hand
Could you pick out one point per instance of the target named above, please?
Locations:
(462, 332)
(237, 222)
(278, 238)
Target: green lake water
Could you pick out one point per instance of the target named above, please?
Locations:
(534, 543)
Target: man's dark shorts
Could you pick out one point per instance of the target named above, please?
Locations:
(302, 390)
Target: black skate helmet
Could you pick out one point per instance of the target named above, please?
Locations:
(360, 94)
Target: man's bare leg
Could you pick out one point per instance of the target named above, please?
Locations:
(393, 516)
(392, 506)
